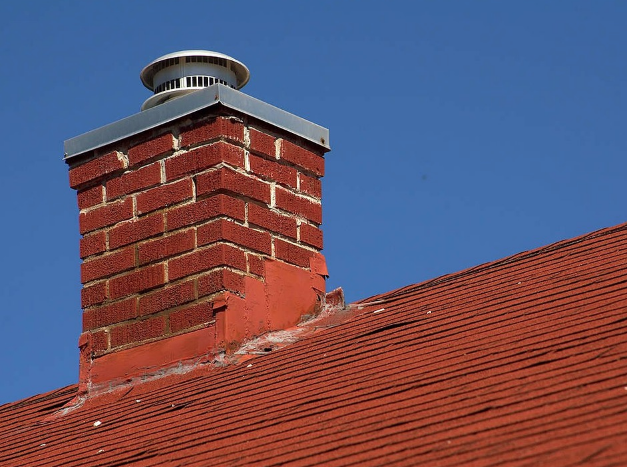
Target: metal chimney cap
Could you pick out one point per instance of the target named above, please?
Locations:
(179, 73)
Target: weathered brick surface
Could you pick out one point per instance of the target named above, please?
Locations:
(220, 280)
(164, 195)
(90, 197)
(225, 179)
(310, 185)
(135, 230)
(262, 143)
(291, 253)
(202, 158)
(190, 317)
(302, 157)
(95, 169)
(100, 341)
(167, 297)
(152, 148)
(311, 235)
(93, 294)
(262, 216)
(205, 209)
(271, 170)
(138, 331)
(304, 207)
(137, 281)
(108, 265)
(165, 247)
(205, 259)
(255, 264)
(221, 127)
(93, 244)
(109, 314)
(106, 215)
(133, 181)
(223, 229)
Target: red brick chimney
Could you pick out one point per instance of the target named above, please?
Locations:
(200, 222)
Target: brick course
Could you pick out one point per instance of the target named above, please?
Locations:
(202, 158)
(150, 149)
(304, 207)
(302, 157)
(133, 181)
(164, 195)
(225, 179)
(222, 229)
(135, 230)
(95, 169)
(135, 332)
(226, 128)
(106, 215)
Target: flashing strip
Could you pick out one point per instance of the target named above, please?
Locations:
(193, 102)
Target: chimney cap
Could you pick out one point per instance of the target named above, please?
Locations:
(179, 73)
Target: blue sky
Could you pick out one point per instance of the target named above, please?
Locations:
(461, 132)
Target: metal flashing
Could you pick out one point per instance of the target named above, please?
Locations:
(188, 104)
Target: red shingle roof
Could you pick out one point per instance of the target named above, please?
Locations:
(520, 362)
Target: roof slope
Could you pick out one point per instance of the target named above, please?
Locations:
(521, 361)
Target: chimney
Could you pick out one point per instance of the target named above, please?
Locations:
(200, 221)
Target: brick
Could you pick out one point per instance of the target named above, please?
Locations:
(220, 280)
(221, 127)
(135, 230)
(106, 215)
(205, 209)
(190, 317)
(262, 216)
(96, 168)
(228, 180)
(304, 207)
(262, 143)
(109, 314)
(223, 229)
(203, 158)
(165, 247)
(255, 264)
(273, 171)
(138, 331)
(90, 197)
(164, 195)
(303, 158)
(165, 298)
(99, 341)
(310, 185)
(150, 149)
(93, 294)
(133, 181)
(108, 265)
(137, 281)
(292, 253)
(208, 258)
(93, 244)
(311, 235)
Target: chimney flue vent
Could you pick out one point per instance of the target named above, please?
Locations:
(180, 73)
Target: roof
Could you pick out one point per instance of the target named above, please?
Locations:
(519, 361)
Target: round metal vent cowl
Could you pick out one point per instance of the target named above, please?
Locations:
(180, 73)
